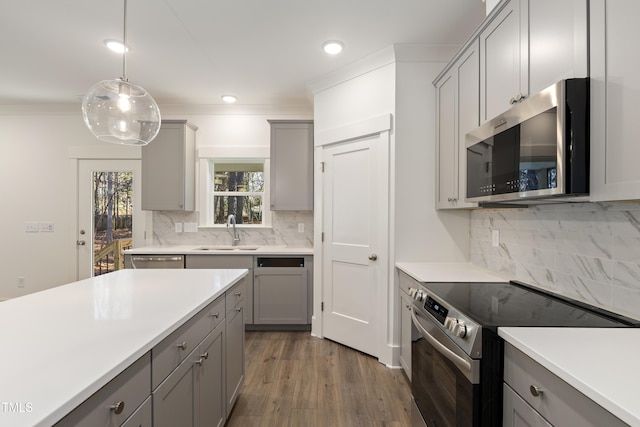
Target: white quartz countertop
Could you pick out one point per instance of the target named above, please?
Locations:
(601, 363)
(448, 272)
(61, 345)
(220, 250)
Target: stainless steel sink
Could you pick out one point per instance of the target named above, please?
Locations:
(226, 248)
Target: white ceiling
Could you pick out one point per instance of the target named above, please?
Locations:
(192, 51)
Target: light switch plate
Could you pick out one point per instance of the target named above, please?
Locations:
(178, 226)
(301, 227)
(45, 227)
(31, 227)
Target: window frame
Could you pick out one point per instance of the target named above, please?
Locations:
(207, 193)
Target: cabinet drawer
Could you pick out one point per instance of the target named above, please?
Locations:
(559, 403)
(127, 391)
(168, 354)
(236, 294)
(142, 416)
(219, 261)
(405, 282)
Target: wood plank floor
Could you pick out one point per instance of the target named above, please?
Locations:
(293, 379)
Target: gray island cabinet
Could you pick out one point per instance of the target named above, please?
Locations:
(129, 348)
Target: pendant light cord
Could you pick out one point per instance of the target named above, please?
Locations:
(124, 43)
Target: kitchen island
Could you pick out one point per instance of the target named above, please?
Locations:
(62, 345)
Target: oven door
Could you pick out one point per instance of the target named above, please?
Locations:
(444, 379)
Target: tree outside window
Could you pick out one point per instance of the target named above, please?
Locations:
(238, 189)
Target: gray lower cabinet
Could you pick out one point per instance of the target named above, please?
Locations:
(173, 399)
(229, 261)
(234, 351)
(209, 372)
(280, 291)
(534, 396)
(407, 331)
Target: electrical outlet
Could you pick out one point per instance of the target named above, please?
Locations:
(21, 282)
(495, 238)
(301, 227)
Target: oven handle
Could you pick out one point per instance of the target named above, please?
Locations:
(453, 358)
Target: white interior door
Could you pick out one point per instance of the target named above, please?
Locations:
(355, 202)
(85, 228)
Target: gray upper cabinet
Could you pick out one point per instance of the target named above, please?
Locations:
(528, 46)
(614, 107)
(291, 165)
(458, 102)
(501, 68)
(168, 168)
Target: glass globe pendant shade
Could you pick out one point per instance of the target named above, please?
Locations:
(120, 112)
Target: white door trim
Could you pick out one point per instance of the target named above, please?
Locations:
(381, 125)
(359, 129)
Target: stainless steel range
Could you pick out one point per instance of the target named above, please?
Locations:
(457, 359)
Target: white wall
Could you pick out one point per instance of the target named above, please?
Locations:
(37, 179)
(421, 232)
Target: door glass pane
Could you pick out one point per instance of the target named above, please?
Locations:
(112, 219)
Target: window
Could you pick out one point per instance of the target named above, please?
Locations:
(238, 187)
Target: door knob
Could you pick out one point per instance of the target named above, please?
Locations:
(80, 242)
(373, 257)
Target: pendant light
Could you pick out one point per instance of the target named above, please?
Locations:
(120, 112)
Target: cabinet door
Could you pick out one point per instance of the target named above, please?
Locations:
(168, 168)
(280, 296)
(501, 46)
(557, 41)
(234, 350)
(517, 413)
(458, 104)
(173, 399)
(291, 165)
(405, 333)
(142, 417)
(468, 108)
(614, 107)
(447, 169)
(209, 400)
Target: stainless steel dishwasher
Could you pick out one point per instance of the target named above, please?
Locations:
(153, 261)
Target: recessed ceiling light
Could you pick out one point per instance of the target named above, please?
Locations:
(115, 45)
(229, 99)
(332, 47)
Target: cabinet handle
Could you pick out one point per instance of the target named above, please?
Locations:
(239, 309)
(238, 294)
(118, 407)
(216, 315)
(408, 306)
(512, 101)
(203, 357)
(182, 346)
(535, 390)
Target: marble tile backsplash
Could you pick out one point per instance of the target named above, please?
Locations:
(283, 231)
(587, 251)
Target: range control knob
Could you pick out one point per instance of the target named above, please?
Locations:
(419, 296)
(450, 323)
(460, 330)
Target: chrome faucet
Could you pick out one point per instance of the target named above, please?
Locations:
(236, 237)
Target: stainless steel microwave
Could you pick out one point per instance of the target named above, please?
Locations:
(539, 149)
